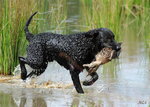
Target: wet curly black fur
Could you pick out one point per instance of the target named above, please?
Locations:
(70, 51)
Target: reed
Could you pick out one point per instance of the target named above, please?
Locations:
(12, 21)
(12, 38)
(115, 14)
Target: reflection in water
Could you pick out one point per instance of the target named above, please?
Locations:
(39, 102)
(108, 95)
(6, 100)
(22, 102)
(123, 82)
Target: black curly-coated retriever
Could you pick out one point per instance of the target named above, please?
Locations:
(70, 51)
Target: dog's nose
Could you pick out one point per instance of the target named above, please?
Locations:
(118, 48)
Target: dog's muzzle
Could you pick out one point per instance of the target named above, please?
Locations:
(116, 47)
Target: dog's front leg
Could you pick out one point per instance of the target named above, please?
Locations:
(94, 77)
(70, 64)
(22, 62)
(76, 80)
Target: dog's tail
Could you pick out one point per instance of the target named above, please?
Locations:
(29, 35)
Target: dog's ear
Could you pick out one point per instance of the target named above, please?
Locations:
(101, 34)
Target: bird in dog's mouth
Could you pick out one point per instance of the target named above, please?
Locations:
(115, 49)
(104, 56)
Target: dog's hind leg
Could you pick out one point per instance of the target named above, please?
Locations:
(35, 59)
(22, 62)
(38, 72)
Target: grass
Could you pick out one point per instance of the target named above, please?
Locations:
(12, 21)
(116, 14)
(12, 36)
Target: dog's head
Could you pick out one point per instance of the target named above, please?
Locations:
(105, 38)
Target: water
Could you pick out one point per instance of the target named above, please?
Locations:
(123, 82)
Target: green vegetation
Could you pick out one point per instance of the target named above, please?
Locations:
(11, 35)
(117, 14)
(12, 20)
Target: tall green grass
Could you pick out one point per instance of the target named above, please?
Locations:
(14, 14)
(116, 14)
(12, 39)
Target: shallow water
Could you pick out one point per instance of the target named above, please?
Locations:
(123, 82)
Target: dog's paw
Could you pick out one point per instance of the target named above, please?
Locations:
(92, 80)
(23, 76)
